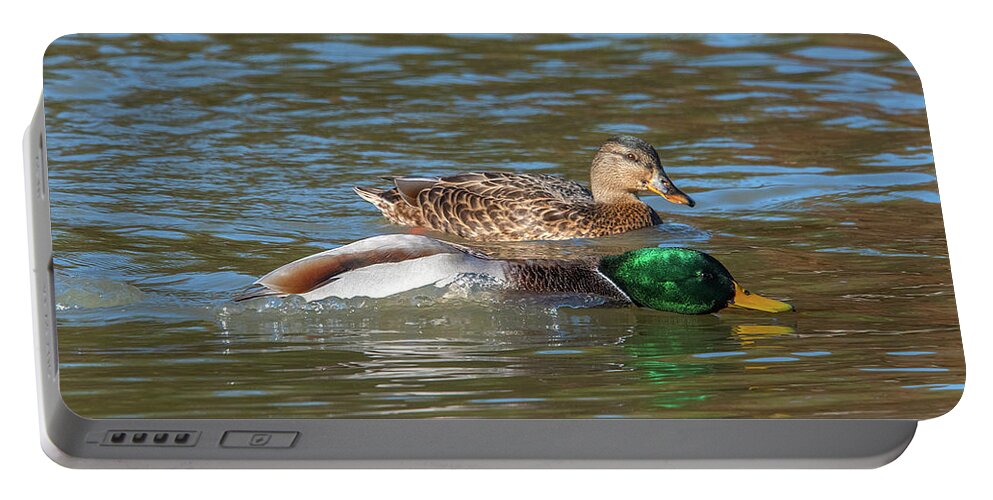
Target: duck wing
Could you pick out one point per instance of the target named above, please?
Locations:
(307, 275)
(510, 186)
(498, 205)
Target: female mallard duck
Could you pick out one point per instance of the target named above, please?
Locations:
(498, 206)
(668, 279)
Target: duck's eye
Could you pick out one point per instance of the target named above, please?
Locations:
(631, 156)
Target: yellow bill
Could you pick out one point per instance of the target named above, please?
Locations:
(748, 300)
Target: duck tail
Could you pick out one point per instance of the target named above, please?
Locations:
(391, 203)
(372, 195)
(255, 291)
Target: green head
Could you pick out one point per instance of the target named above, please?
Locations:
(681, 280)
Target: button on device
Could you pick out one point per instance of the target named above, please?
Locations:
(259, 439)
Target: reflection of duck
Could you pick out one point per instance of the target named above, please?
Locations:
(505, 206)
(668, 279)
(689, 360)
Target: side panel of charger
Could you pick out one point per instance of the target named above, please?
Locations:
(50, 406)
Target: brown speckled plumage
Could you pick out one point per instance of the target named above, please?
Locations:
(562, 276)
(503, 206)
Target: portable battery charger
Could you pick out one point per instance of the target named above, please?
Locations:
(718, 250)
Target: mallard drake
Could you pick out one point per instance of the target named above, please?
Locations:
(502, 206)
(668, 279)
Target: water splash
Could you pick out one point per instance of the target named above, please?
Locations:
(82, 293)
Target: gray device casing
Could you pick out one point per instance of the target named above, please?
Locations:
(75, 441)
